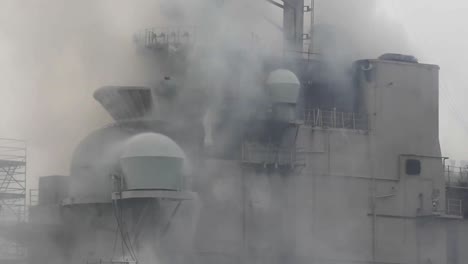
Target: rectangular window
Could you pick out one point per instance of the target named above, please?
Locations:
(413, 167)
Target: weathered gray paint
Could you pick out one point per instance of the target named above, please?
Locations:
(53, 189)
(324, 212)
(293, 26)
(153, 172)
(352, 202)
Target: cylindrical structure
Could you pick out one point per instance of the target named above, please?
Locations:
(94, 162)
(284, 112)
(152, 161)
(53, 189)
(283, 88)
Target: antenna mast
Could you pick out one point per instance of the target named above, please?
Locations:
(293, 24)
(311, 9)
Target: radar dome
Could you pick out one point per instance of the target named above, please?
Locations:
(152, 161)
(283, 86)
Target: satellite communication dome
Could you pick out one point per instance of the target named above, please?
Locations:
(152, 161)
(283, 86)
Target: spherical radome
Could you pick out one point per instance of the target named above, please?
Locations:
(153, 161)
(152, 144)
(282, 76)
(283, 87)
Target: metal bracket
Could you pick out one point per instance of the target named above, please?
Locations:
(305, 36)
(276, 3)
(307, 9)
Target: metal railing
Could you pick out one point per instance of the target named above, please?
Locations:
(100, 261)
(454, 207)
(333, 119)
(456, 176)
(163, 37)
(268, 154)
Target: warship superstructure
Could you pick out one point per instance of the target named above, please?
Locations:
(302, 169)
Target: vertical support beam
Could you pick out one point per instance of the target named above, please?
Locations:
(312, 25)
(293, 25)
(245, 246)
(448, 174)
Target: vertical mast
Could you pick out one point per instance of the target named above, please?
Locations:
(293, 25)
(312, 24)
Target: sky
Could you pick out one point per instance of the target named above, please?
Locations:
(55, 53)
(438, 31)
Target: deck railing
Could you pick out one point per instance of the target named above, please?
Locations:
(267, 154)
(454, 207)
(162, 37)
(456, 176)
(334, 119)
(100, 261)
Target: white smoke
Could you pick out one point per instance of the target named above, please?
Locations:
(54, 55)
(361, 29)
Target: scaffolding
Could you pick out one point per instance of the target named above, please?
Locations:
(12, 195)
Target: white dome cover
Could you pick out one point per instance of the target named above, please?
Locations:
(152, 145)
(282, 76)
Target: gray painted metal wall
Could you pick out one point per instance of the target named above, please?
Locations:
(353, 202)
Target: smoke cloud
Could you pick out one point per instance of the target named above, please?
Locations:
(362, 29)
(54, 54)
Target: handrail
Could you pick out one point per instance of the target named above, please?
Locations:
(101, 261)
(317, 117)
(456, 176)
(269, 154)
(454, 207)
(159, 37)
